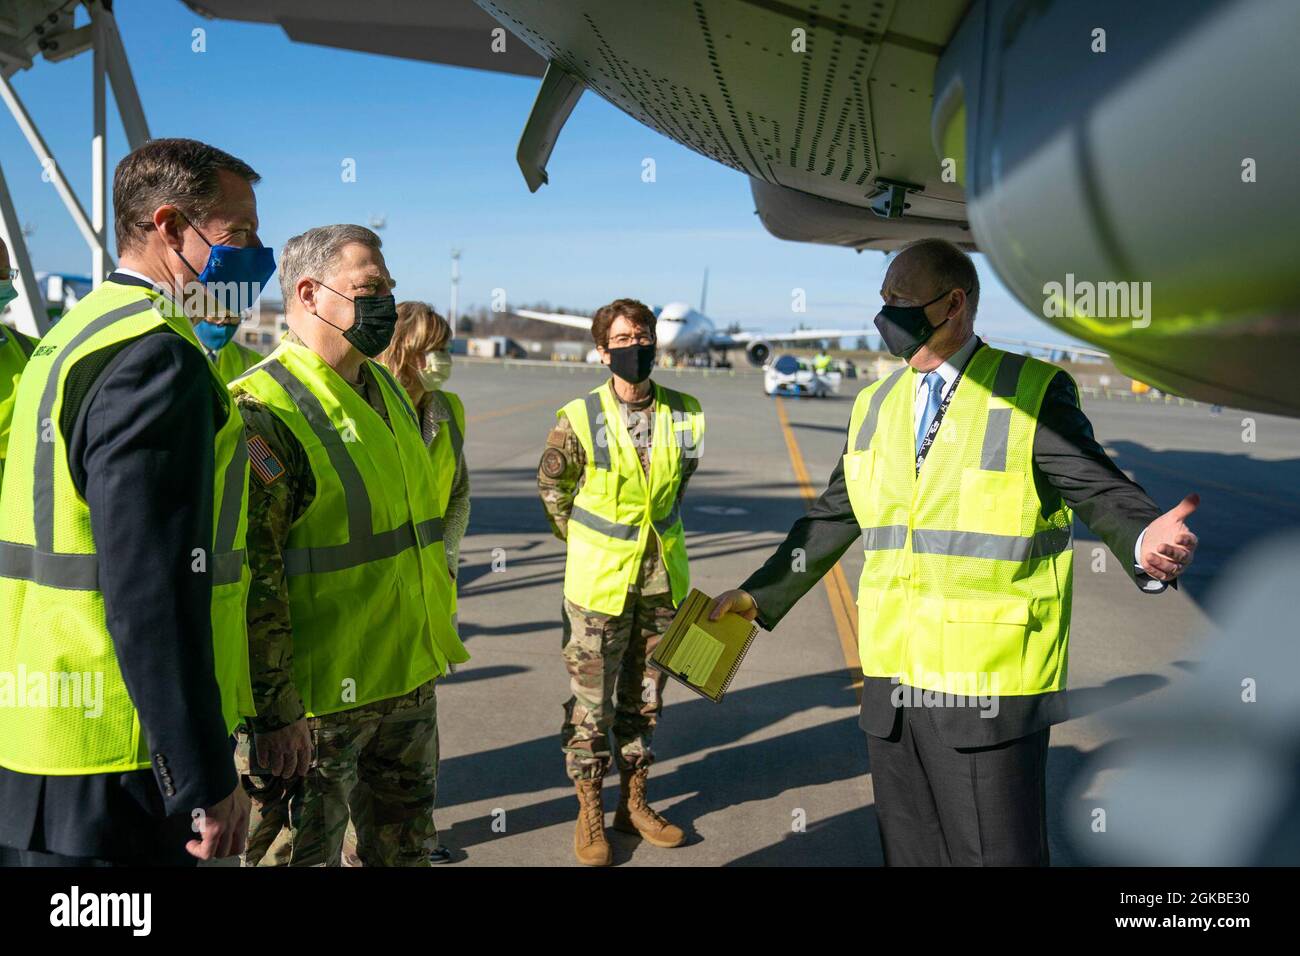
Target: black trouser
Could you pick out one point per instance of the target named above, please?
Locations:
(940, 806)
(105, 819)
(11, 857)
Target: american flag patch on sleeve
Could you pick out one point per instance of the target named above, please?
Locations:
(263, 461)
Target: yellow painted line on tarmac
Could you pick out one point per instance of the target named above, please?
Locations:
(844, 608)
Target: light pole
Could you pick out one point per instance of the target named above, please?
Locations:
(455, 289)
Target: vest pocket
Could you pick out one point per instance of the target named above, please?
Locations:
(882, 631)
(990, 501)
(594, 483)
(859, 474)
(602, 482)
(984, 645)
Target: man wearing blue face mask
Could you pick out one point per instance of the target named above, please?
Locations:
(965, 595)
(15, 349)
(122, 570)
(231, 359)
(218, 298)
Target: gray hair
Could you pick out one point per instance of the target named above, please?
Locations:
(313, 254)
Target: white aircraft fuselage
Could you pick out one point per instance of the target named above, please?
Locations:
(683, 330)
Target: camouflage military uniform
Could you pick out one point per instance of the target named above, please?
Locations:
(377, 766)
(377, 762)
(612, 686)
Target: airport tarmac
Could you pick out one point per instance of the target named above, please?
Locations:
(778, 772)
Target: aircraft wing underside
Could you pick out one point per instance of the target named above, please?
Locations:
(1107, 172)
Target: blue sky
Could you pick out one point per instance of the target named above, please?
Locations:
(434, 149)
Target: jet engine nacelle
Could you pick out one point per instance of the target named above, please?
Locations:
(758, 353)
(1160, 247)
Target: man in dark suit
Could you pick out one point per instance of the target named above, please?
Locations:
(135, 435)
(964, 600)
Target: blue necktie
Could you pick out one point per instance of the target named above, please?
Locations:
(934, 382)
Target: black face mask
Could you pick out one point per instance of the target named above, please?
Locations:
(372, 330)
(904, 328)
(632, 363)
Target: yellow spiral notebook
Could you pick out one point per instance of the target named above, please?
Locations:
(702, 654)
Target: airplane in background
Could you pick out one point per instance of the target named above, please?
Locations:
(685, 331)
(682, 331)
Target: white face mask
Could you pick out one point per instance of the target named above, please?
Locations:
(436, 371)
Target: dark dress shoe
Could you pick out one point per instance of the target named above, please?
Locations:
(440, 854)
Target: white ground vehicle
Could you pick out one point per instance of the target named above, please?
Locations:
(788, 375)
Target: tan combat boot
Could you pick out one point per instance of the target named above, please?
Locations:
(634, 815)
(589, 843)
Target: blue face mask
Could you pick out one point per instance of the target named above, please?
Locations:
(7, 292)
(234, 275)
(213, 335)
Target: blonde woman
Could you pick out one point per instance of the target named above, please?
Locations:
(419, 356)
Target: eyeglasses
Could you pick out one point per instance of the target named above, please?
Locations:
(623, 341)
(8, 273)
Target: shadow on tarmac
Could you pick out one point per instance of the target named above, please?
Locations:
(1243, 500)
(733, 772)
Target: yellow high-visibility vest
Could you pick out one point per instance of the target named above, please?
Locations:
(618, 507)
(53, 629)
(446, 448)
(369, 592)
(966, 584)
(15, 348)
(233, 360)
(444, 452)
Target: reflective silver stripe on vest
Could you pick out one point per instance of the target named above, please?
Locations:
(253, 370)
(1007, 377)
(673, 516)
(402, 398)
(25, 345)
(232, 496)
(457, 439)
(685, 437)
(884, 538)
(599, 449)
(624, 532)
(363, 550)
(997, 430)
(868, 428)
(72, 572)
(43, 477)
(228, 563)
(40, 563)
(354, 487)
(227, 567)
(428, 531)
(1000, 547)
(363, 545)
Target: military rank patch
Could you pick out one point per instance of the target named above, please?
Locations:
(263, 461)
(553, 463)
(555, 438)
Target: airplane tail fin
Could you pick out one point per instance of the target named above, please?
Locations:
(704, 290)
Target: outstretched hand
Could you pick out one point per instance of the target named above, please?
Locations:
(1168, 544)
(737, 602)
